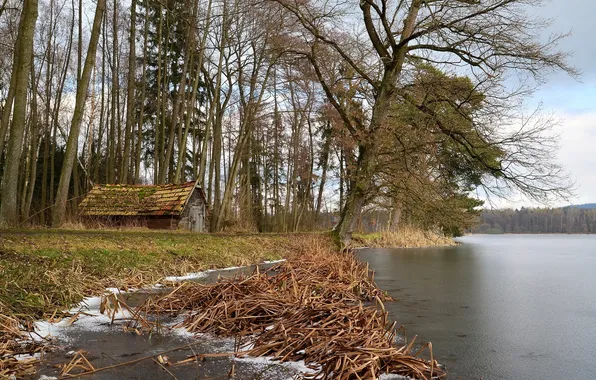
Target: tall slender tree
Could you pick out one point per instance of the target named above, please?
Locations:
(130, 95)
(21, 72)
(59, 209)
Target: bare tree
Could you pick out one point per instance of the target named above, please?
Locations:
(489, 38)
(130, 95)
(21, 72)
(59, 210)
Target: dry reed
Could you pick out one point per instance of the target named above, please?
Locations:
(317, 307)
(405, 237)
(12, 344)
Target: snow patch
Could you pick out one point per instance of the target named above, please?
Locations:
(23, 357)
(86, 315)
(274, 261)
(300, 366)
(203, 274)
(264, 361)
(182, 332)
(188, 276)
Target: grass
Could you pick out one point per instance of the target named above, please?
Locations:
(42, 271)
(405, 237)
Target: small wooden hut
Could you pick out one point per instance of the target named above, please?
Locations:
(170, 206)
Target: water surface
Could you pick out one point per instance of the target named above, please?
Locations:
(515, 307)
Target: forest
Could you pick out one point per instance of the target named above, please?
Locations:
(564, 220)
(284, 110)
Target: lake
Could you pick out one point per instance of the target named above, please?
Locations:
(515, 307)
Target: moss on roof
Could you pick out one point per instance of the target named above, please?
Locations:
(137, 200)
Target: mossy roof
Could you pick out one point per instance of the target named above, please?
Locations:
(137, 200)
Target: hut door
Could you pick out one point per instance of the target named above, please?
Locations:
(196, 219)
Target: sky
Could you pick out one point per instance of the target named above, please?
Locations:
(571, 100)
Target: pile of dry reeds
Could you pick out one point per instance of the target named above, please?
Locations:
(12, 343)
(312, 308)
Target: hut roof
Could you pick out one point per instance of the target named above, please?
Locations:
(137, 200)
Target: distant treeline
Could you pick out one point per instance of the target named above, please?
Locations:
(565, 220)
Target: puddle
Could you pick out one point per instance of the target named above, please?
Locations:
(106, 344)
(211, 276)
(113, 346)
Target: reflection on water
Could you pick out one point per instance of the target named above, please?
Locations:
(498, 307)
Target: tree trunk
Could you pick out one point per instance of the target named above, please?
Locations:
(395, 216)
(103, 115)
(195, 86)
(26, 206)
(362, 176)
(47, 127)
(113, 115)
(324, 165)
(175, 115)
(71, 149)
(157, 149)
(130, 101)
(6, 111)
(138, 149)
(356, 196)
(217, 127)
(8, 204)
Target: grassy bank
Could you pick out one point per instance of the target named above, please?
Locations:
(46, 270)
(405, 237)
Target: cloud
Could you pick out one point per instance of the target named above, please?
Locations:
(577, 153)
(572, 101)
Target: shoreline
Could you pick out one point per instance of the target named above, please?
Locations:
(406, 238)
(311, 247)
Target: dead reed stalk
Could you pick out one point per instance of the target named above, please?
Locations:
(13, 344)
(405, 237)
(320, 307)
